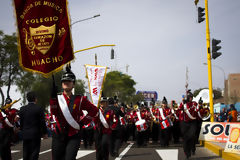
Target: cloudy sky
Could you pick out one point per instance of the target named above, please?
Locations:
(158, 39)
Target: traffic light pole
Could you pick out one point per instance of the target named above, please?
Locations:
(209, 62)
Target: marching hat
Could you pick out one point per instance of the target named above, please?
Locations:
(68, 75)
(111, 100)
(164, 101)
(8, 100)
(189, 94)
(200, 101)
(104, 99)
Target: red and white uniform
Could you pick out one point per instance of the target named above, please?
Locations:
(108, 116)
(187, 111)
(156, 114)
(62, 121)
(131, 117)
(165, 121)
(8, 118)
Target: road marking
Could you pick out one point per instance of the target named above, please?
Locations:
(40, 153)
(45, 151)
(83, 153)
(168, 154)
(124, 151)
(15, 151)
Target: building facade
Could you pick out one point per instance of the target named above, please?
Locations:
(232, 88)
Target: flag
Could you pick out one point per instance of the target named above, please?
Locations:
(44, 38)
(96, 76)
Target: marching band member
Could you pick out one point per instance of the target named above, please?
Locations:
(188, 124)
(7, 118)
(176, 132)
(165, 123)
(130, 117)
(103, 130)
(155, 122)
(116, 136)
(141, 126)
(68, 112)
(201, 116)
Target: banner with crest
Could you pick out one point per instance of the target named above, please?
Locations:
(44, 38)
(96, 76)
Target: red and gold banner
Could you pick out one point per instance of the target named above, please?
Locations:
(44, 37)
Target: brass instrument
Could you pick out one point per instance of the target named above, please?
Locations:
(9, 105)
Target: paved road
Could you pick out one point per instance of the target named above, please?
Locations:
(128, 151)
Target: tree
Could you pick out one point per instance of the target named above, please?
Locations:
(121, 85)
(9, 66)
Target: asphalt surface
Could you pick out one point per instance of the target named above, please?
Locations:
(128, 151)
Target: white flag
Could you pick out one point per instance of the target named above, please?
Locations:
(96, 76)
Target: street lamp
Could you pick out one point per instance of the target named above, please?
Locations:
(85, 19)
(224, 82)
(220, 69)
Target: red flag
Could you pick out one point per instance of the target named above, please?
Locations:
(44, 39)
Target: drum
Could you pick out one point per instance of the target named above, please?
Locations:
(166, 123)
(141, 125)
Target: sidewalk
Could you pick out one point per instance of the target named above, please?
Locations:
(218, 148)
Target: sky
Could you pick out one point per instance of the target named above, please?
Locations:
(158, 39)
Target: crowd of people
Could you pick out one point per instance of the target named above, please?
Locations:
(227, 115)
(74, 118)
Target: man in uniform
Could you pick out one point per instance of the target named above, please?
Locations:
(165, 123)
(103, 130)
(155, 122)
(116, 136)
(176, 132)
(7, 118)
(188, 124)
(67, 109)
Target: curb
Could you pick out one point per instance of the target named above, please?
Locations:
(219, 151)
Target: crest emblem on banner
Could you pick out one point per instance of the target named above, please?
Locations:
(43, 37)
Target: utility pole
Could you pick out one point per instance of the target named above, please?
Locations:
(95, 59)
(209, 62)
(127, 68)
(186, 85)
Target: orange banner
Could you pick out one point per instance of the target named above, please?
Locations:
(216, 131)
(44, 39)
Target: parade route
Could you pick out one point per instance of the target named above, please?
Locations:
(128, 151)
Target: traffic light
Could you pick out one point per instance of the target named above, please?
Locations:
(215, 48)
(201, 14)
(112, 54)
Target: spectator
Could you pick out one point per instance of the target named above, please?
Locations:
(32, 125)
(232, 114)
(223, 115)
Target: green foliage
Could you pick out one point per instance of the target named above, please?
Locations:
(10, 70)
(121, 85)
(80, 87)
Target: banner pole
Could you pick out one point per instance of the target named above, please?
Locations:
(104, 45)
